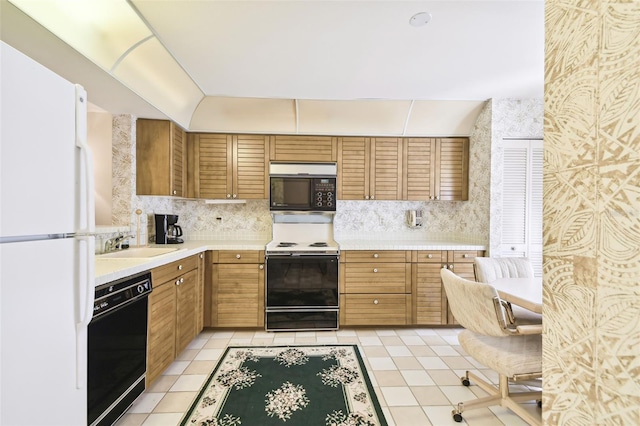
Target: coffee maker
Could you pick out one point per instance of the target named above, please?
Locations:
(167, 232)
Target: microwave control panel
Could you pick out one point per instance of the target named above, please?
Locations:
(324, 193)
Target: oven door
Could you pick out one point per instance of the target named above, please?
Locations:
(307, 282)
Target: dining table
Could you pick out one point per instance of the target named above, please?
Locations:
(524, 292)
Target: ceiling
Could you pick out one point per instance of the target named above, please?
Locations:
(231, 62)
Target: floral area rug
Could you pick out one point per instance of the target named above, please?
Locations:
(289, 386)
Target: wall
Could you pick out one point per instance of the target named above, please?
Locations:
(99, 140)
(591, 210)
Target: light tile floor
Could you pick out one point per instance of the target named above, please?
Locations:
(415, 372)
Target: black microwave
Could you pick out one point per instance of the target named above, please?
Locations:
(302, 187)
(303, 193)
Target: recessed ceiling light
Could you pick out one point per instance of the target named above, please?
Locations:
(420, 19)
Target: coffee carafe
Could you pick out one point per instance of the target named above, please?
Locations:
(167, 232)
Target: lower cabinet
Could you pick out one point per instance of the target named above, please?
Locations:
(236, 286)
(173, 313)
(375, 287)
(430, 300)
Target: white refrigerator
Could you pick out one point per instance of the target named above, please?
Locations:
(46, 245)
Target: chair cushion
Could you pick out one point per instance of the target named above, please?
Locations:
(508, 355)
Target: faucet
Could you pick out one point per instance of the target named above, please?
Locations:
(114, 243)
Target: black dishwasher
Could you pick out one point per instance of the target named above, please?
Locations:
(117, 349)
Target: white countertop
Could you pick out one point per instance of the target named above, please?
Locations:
(407, 245)
(111, 269)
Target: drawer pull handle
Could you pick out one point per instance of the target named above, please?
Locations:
(261, 266)
(450, 266)
(179, 281)
(237, 256)
(201, 255)
(375, 301)
(429, 256)
(375, 256)
(179, 267)
(465, 255)
(375, 269)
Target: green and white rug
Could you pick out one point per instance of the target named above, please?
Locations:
(287, 385)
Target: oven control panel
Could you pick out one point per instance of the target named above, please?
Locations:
(324, 192)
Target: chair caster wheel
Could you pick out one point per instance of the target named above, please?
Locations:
(457, 417)
(465, 381)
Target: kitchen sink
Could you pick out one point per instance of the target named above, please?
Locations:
(137, 253)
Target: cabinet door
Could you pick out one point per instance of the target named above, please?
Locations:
(452, 178)
(186, 309)
(178, 161)
(240, 295)
(353, 168)
(386, 168)
(250, 167)
(304, 148)
(419, 178)
(430, 299)
(160, 158)
(161, 334)
(211, 170)
(200, 286)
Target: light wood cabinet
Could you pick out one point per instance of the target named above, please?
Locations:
(375, 288)
(228, 166)
(370, 168)
(237, 289)
(430, 300)
(160, 158)
(303, 148)
(172, 313)
(436, 169)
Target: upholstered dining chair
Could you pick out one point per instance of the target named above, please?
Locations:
(513, 351)
(489, 269)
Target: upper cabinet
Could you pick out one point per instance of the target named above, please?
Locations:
(437, 169)
(160, 158)
(370, 168)
(228, 166)
(304, 148)
(452, 170)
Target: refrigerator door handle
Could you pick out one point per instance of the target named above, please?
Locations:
(85, 290)
(86, 201)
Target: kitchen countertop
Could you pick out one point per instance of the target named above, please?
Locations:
(111, 269)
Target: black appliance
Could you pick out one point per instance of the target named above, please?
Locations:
(304, 187)
(117, 348)
(167, 232)
(301, 292)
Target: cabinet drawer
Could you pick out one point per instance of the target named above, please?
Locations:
(375, 309)
(173, 270)
(376, 277)
(464, 256)
(358, 256)
(240, 256)
(429, 256)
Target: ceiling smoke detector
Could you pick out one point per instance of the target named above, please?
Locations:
(420, 19)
